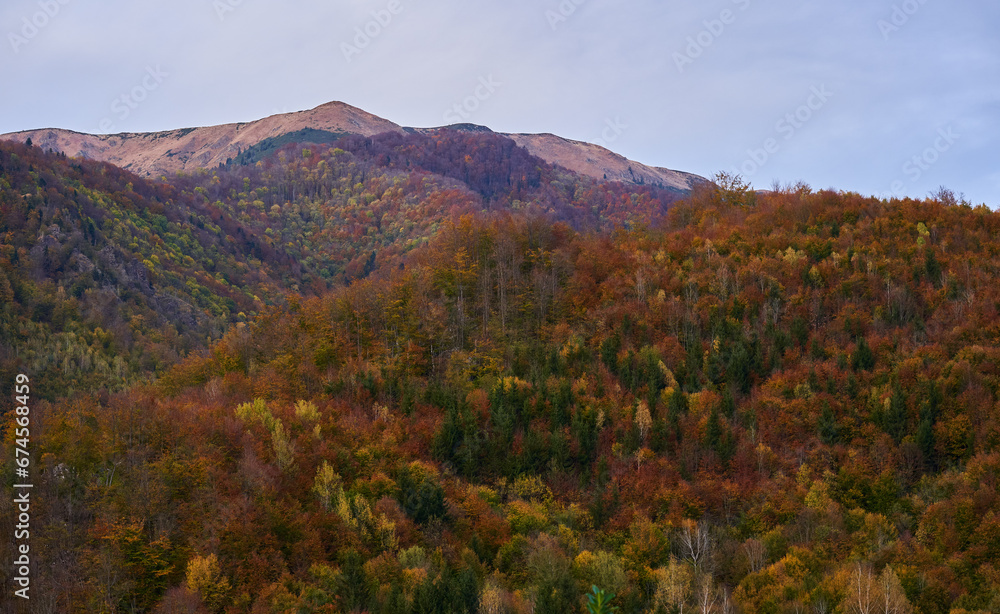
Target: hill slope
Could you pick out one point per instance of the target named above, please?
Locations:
(595, 161)
(157, 269)
(782, 407)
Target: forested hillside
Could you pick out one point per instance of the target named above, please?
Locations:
(108, 278)
(780, 403)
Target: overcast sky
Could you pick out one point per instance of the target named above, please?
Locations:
(872, 96)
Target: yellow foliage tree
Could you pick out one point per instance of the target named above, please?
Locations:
(205, 578)
(306, 411)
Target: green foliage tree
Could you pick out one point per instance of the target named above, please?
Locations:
(599, 602)
(863, 358)
(733, 190)
(829, 430)
(896, 416)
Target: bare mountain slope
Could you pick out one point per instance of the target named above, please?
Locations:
(600, 163)
(159, 153)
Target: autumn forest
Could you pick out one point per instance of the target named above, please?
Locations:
(432, 373)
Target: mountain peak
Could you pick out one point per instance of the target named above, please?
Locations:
(188, 149)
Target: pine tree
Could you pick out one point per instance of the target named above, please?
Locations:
(713, 431)
(933, 268)
(864, 358)
(925, 432)
(739, 368)
(895, 418)
(728, 403)
(829, 430)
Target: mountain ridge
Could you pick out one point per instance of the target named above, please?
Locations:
(154, 154)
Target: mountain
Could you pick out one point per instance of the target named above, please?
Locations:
(184, 150)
